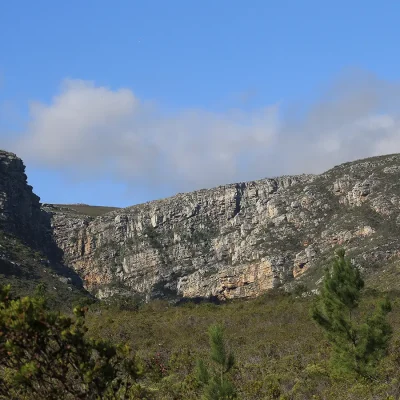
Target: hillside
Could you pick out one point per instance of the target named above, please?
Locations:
(280, 353)
(233, 241)
(28, 253)
(240, 240)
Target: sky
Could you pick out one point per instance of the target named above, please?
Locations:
(122, 102)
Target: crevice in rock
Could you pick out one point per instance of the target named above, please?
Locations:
(238, 198)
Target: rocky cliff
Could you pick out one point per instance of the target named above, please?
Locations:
(20, 211)
(238, 240)
(28, 252)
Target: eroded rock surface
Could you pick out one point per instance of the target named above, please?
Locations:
(23, 223)
(237, 240)
(20, 211)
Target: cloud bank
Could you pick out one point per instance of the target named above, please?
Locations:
(92, 132)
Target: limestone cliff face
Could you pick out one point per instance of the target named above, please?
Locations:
(237, 240)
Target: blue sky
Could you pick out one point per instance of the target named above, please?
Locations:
(117, 103)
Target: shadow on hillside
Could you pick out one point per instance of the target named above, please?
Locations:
(55, 254)
(13, 269)
(198, 300)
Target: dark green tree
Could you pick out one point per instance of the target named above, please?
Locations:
(41, 291)
(357, 346)
(216, 384)
(47, 355)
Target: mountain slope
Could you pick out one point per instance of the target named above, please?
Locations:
(242, 239)
(28, 253)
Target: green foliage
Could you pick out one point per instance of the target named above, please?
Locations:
(41, 290)
(216, 384)
(125, 303)
(24, 268)
(299, 289)
(46, 354)
(280, 353)
(357, 346)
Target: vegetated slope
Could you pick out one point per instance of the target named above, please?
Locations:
(28, 253)
(240, 240)
(83, 209)
(25, 267)
(280, 353)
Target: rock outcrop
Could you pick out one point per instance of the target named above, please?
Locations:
(20, 212)
(237, 240)
(27, 247)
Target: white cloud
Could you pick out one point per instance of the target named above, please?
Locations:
(93, 131)
(76, 130)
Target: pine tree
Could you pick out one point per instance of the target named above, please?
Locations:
(216, 384)
(357, 347)
(44, 354)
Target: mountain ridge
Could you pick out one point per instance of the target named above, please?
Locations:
(28, 252)
(235, 240)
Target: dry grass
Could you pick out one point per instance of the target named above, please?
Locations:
(90, 211)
